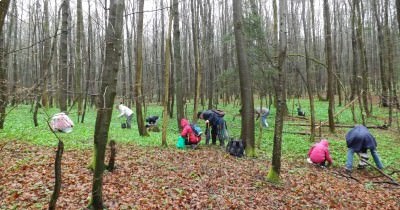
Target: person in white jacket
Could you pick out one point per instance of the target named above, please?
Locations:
(128, 113)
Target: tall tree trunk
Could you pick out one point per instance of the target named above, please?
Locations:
(279, 84)
(62, 84)
(106, 98)
(354, 76)
(310, 80)
(15, 62)
(197, 59)
(398, 13)
(363, 59)
(381, 49)
(78, 50)
(139, 72)
(3, 71)
(46, 53)
(89, 55)
(389, 60)
(246, 91)
(166, 81)
(330, 66)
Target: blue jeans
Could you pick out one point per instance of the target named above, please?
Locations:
(264, 121)
(374, 153)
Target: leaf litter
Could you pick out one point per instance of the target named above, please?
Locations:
(205, 178)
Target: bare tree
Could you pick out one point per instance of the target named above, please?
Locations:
(139, 72)
(330, 65)
(62, 88)
(166, 80)
(196, 58)
(180, 103)
(106, 99)
(381, 49)
(78, 51)
(246, 91)
(398, 13)
(3, 72)
(309, 75)
(279, 83)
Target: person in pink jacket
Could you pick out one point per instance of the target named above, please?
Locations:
(188, 134)
(319, 153)
(61, 122)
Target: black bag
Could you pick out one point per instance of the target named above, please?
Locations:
(235, 147)
(123, 125)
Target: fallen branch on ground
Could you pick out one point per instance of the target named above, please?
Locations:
(380, 171)
(348, 176)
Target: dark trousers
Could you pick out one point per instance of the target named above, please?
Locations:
(129, 121)
(218, 130)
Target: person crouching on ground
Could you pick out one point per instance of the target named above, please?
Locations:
(128, 113)
(319, 153)
(188, 134)
(61, 122)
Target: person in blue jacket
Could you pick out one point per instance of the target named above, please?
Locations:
(215, 120)
(359, 140)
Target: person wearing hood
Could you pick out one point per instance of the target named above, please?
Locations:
(319, 153)
(188, 134)
(359, 140)
(214, 119)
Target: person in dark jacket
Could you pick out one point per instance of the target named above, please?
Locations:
(359, 140)
(217, 124)
(151, 121)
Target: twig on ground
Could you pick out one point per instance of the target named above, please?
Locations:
(380, 171)
(348, 176)
(385, 182)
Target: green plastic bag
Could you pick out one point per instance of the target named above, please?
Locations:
(180, 144)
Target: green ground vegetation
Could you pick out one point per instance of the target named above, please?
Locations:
(19, 126)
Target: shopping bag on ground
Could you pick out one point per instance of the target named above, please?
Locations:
(180, 144)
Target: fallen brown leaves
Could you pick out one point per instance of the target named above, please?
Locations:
(207, 178)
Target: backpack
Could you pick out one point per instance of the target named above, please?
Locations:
(235, 147)
(219, 112)
(196, 130)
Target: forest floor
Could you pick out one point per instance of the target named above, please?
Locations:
(205, 178)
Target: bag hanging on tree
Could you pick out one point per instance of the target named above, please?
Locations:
(180, 144)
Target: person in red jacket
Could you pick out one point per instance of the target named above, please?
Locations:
(188, 134)
(319, 153)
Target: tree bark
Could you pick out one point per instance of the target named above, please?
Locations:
(57, 176)
(180, 103)
(166, 82)
(106, 99)
(310, 80)
(381, 49)
(62, 84)
(246, 91)
(279, 84)
(78, 50)
(398, 13)
(4, 4)
(139, 72)
(330, 66)
(197, 60)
